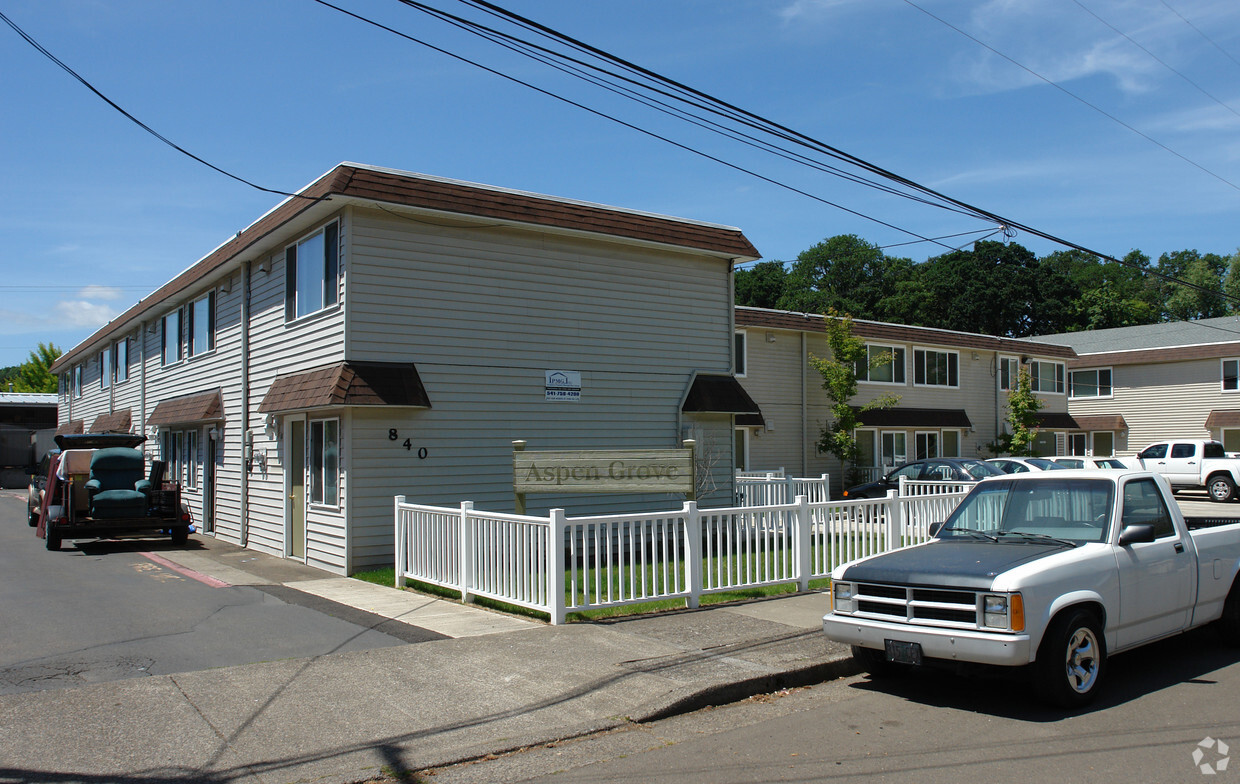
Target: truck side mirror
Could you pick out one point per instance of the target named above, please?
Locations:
(935, 528)
(1136, 534)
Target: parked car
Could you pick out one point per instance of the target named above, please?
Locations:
(940, 469)
(1090, 462)
(1043, 573)
(1023, 465)
(1190, 464)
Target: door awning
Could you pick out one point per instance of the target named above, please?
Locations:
(201, 407)
(915, 417)
(1223, 418)
(116, 422)
(347, 384)
(72, 427)
(718, 393)
(1057, 421)
(1106, 421)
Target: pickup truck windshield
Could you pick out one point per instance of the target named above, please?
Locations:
(1077, 510)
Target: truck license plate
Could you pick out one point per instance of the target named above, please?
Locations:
(903, 652)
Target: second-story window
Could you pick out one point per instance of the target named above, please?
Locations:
(311, 273)
(201, 325)
(120, 370)
(936, 368)
(1046, 376)
(105, 368)
(1231, 375)
(172, 338)
(740, 346)
(77, 380)
(890, 371)
(1009, 371)
(1090, 383)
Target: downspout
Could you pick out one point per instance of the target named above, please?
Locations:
(245, 400)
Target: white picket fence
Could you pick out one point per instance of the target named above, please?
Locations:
(765, 489)
(558, 564)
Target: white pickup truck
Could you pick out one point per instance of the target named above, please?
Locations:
(1052, 572)
(1188, 463)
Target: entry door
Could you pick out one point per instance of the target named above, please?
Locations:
(208, 483)
(895, 450)
(1076, 444)
(296, 478)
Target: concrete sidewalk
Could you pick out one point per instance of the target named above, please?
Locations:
(496, 683)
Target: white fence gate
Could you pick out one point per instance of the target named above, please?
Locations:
(775, 488)
(558, 564)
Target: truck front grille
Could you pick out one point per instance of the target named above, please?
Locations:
(926, 606)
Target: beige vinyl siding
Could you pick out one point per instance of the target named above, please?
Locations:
(279, 348)
(1161, 401)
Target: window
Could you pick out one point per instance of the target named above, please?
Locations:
(311, 272)
(1009, 371)
(889, 372)
(1231, 375)
(1076, 444)
(1153, 451)
(1143, 505)
(325, 462)
(926, 445)
(120, 371)
(895, 449)
(741, 449)
(867, 456)
(740, 347)
(77, 380)
(1046, 376)
(190, 460)
(1090, 383)
(105, 368)
(172, 340)
(935, 368)
(179, 449)
(201, 325)
(1184, 451)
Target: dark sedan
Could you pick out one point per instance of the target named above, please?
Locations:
(942, 469)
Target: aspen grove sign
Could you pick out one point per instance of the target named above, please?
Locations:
(607, 471)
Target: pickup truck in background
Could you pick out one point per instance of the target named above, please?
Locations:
(1050, 572)
(1193, 464)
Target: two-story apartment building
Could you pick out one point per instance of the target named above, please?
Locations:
(952, 387)
(385, 333)
(1136, 385)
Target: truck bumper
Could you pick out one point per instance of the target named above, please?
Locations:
(1005, 650)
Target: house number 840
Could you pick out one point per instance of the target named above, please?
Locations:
(407, 444)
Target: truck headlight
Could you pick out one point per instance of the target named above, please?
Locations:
(842, 597)
(1004, 611)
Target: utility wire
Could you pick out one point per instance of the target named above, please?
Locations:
(1226, 54)
(39, 47)
(1158, 59)
(1073, 95)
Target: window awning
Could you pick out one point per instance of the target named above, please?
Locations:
(201, 407)
(1223, 418)
(347, 384)
(717, 393)
(116, 422)
(915, 417)
(72, 427)
(1103, 421)
(1057, 421)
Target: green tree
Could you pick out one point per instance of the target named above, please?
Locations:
(842, 273)
(762, 285)
(34, 375)
(1203, 299)
(839, 379)
(1022, 414)
(990, 289)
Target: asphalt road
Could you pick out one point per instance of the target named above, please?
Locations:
(100, 611)
(932, 728)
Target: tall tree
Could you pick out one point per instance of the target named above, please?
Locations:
(990, 289)
(762, 285)
(842, 273)
(34, 375)
(839, 379)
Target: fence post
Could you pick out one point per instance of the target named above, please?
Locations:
(803, 531)
(693, 552)
(826, 487)
(555, 566)
(789, 493)
(895, 510)
(401, 535)
(465, 555)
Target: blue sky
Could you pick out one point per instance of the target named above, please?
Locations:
(97, 213)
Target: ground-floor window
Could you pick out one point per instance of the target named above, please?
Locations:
(741, 456)
(179, 449)
(895, 449)
(324, 449)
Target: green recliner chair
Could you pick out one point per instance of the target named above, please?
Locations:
(117, 486)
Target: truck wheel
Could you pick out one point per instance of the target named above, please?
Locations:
(51, 539)
(1221, 488)
(180, 534)
(1071, 660)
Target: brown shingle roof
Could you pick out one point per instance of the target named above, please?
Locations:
(72, 427)
(347, 384)
(1102, 422)
(878, 330)
(448, 196)
(116, 422)
(201, 407)
(718, 394)
(1223, 418)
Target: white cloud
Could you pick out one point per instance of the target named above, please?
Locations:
(799, 10)
(93, 292)
(81, 313)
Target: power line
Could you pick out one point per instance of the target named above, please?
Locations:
(39, 47)
(1200, 32)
